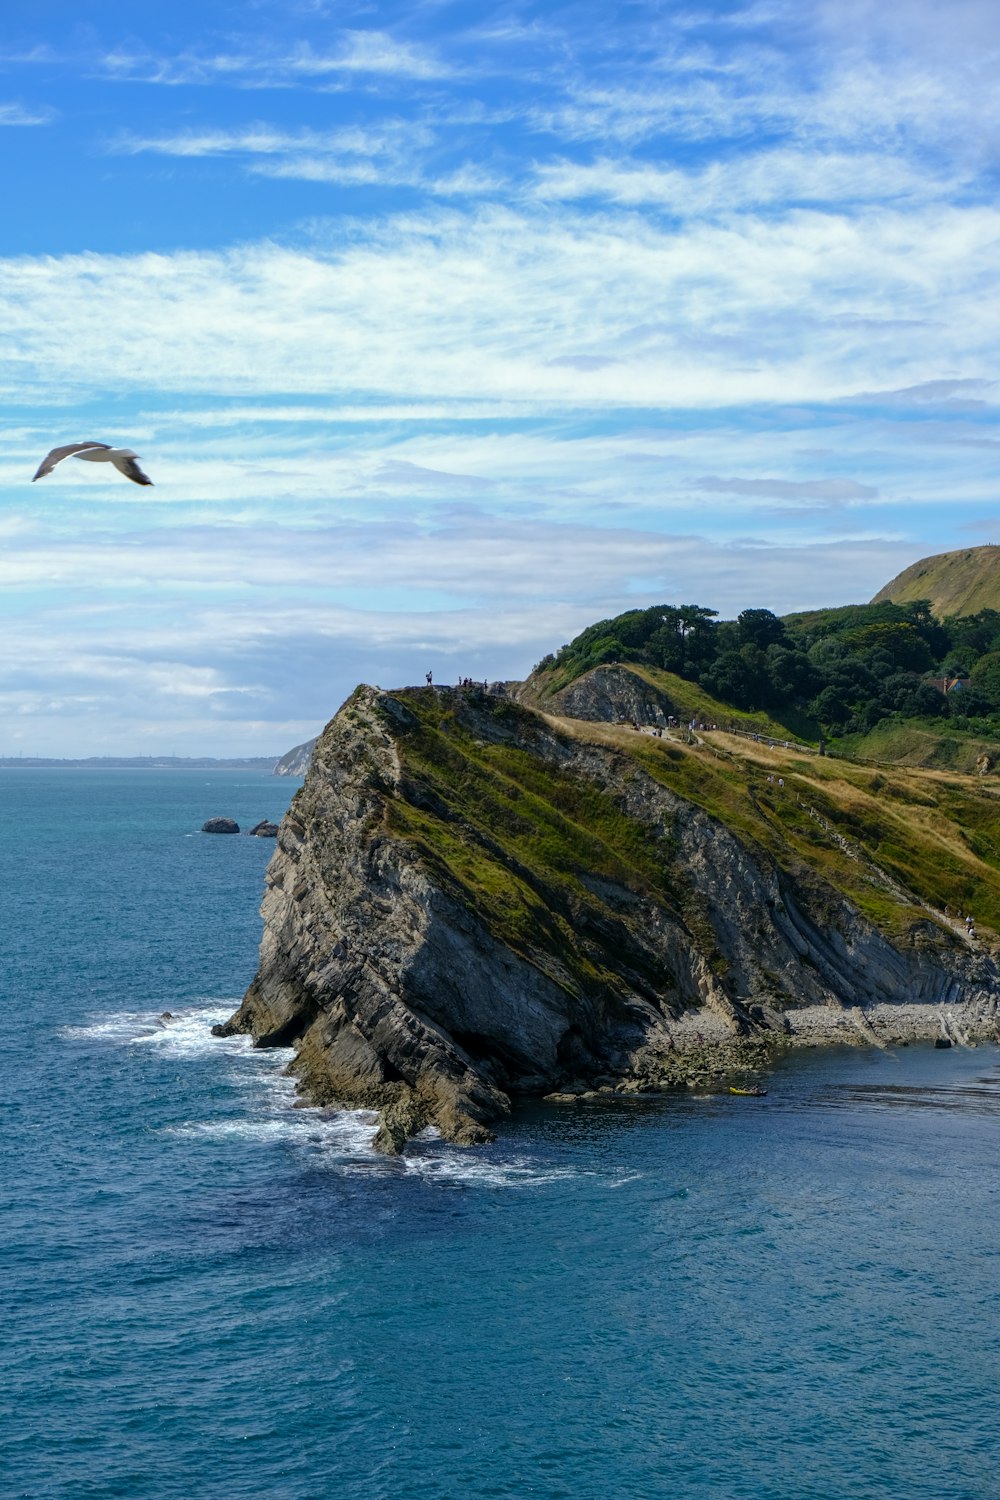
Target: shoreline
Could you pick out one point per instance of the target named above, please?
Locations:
(703, 1051)
(884, 1023)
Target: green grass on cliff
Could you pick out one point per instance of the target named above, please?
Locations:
(690, 701)
(530, 845)
(523, 842)
(938, 835)
(913, 743)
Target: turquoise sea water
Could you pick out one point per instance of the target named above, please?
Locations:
(210, 1294)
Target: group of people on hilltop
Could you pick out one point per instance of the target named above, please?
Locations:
(469, 684)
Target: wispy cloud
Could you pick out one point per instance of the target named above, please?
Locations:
(960, 395)
(825, 491)
(554, 308)
(20, 114)
(782, 179)
(267, 140)
(528, 320)
(390, 154)
(231, 636)
(368, 53)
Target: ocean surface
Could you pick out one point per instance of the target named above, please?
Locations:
(210, 1294)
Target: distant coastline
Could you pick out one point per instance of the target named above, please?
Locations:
(138, 763)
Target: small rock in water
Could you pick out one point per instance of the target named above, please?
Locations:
(220, 825)
(265, 829)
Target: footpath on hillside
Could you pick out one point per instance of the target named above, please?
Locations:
(769, 754)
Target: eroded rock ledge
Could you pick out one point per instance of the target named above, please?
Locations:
(468, 901)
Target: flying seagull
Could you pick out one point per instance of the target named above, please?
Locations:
(123, 459)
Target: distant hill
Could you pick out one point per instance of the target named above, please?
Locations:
(956, 583)
(296, 762)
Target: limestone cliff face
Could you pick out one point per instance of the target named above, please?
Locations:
(608, 693)
(295, 762)
(468, 900)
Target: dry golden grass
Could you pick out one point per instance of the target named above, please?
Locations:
(935, 833)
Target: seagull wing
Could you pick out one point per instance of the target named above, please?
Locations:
(57, 455)
(131, 470)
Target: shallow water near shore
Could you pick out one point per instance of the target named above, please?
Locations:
(214, 1294)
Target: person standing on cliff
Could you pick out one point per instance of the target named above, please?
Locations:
(430, 679)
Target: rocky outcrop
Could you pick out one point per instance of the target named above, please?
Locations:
(295, 762)
(467, 902)
(220, 825)
(265, 829)
(615, 694)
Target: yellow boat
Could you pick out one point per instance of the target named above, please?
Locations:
(754, 1093)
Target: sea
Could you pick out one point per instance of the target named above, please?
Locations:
(210, 1292)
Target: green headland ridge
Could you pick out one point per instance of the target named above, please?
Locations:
(953, 583)
(621, 875)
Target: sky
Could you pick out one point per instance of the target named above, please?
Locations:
(445, 330)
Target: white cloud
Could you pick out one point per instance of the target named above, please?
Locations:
(390, 155)
(360, 53)
(20, 114)
(218, 639)
(464, 557)
(262, 139)
(832, 78)
(447, 307)
(377, 52)
(776, 179)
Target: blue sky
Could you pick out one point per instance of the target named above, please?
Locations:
(446, 329)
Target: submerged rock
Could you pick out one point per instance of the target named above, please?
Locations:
(220, 825)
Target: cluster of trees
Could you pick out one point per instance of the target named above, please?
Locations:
(847, 668)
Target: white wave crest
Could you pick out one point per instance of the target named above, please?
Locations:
(268, 1112)
(129, 1026)
(338, 1136)
(454, 1165)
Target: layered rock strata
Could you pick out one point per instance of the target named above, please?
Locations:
(469, 901)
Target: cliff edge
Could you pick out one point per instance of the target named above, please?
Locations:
(470, 899)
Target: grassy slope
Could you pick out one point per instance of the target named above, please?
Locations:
(956, 583)
(906, 742)
(937, 834)
(520, 841)
(914, 743)
(691, 701)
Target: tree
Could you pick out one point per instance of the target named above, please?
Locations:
(695, 627)
(739, 677)
(759, 627)
(830, 709)
(790, 675)
(985, 677)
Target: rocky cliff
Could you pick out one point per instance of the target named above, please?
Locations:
(470, 900)
(611, 693)
(296, 762)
